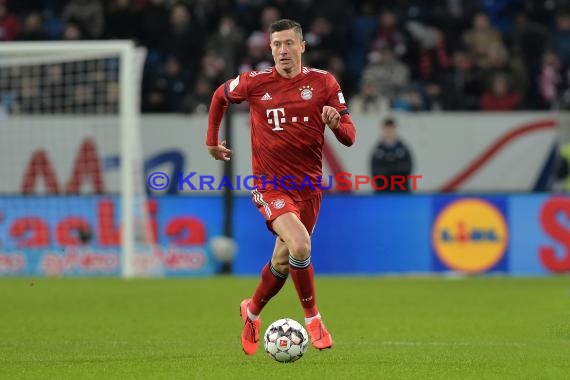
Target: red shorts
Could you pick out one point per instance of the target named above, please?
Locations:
(273, 204)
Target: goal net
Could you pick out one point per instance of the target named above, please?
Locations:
(72, 195)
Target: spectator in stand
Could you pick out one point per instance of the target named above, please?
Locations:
(499, 62)
(362, 28)
(184, 40)
(111, 104)
(29, 99)
(72, 31)
(451, 16)
(432, 56)
(500, 12)
(406, 40)
(549, 80)
(564, 98)
(21, 8)
(168, 88)
(9, 23)
(500, 97)
(386, 73)
(434, 96)
(258, 58)
(560, 39)
(321, 43)
(121, 20)
(527, 39)
(481, 38)
(463, 84)
(228, 44)
(54, 87)
(258, 55)
(198, 101)
(154, 20)
(411, 99)
(33, 29)
(389, 35)
(213, 67)
(303, 11)
(336, 67)
(367, 100)
(88, 14)
(268, 16)
(82, 99)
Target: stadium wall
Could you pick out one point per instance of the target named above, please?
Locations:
(490, 219)
(518, 235)
(461, 152)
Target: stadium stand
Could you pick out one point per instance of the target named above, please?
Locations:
(404, 55)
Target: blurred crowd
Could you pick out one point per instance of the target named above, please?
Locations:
(403, 55)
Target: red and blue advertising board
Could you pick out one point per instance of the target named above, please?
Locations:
(518, 235)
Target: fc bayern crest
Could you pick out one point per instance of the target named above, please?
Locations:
(306, 92)
(278, 203)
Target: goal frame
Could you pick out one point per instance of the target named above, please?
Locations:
(129, 120)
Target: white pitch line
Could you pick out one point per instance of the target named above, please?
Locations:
(412, 343)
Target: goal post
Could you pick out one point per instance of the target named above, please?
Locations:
(55, 96)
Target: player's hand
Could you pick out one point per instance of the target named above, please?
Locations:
(220, 152)
(331, 117)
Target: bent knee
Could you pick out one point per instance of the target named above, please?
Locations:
(300, 249)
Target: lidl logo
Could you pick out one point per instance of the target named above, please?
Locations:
(470, 235)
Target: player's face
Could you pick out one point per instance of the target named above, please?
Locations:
(287, 48)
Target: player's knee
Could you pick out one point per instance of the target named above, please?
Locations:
(300, 249)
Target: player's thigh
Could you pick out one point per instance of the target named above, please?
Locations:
(309, 211)
(290, 228)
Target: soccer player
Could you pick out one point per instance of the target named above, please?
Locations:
(289, 105)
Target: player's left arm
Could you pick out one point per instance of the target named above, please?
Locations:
(335, 114)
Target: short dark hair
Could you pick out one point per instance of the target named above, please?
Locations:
(389, 122)
(286, 24)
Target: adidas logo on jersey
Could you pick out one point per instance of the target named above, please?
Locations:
(266, 96)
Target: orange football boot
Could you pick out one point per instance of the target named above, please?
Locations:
(250, 333)
(320, 337)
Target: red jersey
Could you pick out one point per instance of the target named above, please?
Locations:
(287, 131)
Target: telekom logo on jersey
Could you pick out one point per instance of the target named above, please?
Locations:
(276, 117)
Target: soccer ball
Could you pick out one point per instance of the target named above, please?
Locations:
(286, 340)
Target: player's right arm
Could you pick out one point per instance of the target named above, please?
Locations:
(232, 91)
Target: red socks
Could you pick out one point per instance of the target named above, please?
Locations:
(302, 274)
(271, 283)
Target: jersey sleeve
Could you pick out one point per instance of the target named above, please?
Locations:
(335, 96)
(232, 91)
(346, 132)
(236, 90)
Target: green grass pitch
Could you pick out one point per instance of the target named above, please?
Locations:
(384, 327)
